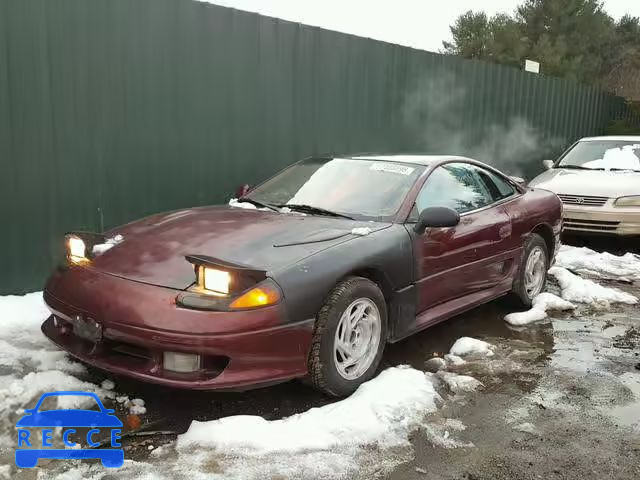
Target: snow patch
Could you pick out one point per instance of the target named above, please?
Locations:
(526, 428)
(603, 265)
(246, 205)
(471, 346)
(136, 406)
(109, 243)
(454, 360)
(540, 305)
(577, 289)
(382, 411)
(362, 231)
(624, 157)
(439, 434)
(34, 365)
(108, 385)
(459, 383)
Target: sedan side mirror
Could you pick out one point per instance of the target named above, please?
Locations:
(242, 190)
(436, 217)
(548, 164)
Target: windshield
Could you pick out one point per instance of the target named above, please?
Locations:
(357, 188)
(604, 155)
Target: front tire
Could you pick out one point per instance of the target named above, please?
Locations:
(349, 337)
(532, 274)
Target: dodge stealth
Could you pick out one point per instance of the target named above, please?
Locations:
(308, 275)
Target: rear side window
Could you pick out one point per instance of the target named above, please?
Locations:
(454, 185)
(497, 187)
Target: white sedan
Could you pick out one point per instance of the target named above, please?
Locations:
(598, 181)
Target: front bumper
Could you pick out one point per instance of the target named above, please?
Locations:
(239, 350)
(605, 219)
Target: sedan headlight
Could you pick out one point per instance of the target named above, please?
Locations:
(216, 281)
(630, 201)
(225, 286)
(76, 249)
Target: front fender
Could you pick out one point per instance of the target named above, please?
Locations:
(307, 283)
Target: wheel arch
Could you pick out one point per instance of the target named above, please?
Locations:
(546, 232)
(377, 276)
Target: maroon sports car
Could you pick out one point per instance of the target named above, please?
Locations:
(309, 274)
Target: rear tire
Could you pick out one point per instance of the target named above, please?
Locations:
(532, 274)
(348, 337)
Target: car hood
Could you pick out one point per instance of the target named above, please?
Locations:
(153, 249)
(598, 183)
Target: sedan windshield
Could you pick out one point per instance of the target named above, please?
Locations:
(603, 155)
(348, 187)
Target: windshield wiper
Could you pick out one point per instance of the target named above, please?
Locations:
(258, 204)
(578, 167)
(313, 210)
(624, 170)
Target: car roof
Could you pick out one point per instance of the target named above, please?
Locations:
(416, 159)
(613, 138)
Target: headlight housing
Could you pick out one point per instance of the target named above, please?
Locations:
(76, 249)
(629, 201)
(224, 286)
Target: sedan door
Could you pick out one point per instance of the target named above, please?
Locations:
(455, 262)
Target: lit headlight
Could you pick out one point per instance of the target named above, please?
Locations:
(631, 201)
(216, 281)
(76, 249)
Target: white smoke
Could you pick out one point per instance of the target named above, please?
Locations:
(436, 112)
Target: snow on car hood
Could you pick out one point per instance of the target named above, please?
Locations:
(584, 182)
(153, 250)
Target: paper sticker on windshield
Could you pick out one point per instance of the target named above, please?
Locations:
(392, 168)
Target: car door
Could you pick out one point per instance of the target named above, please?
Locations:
(458, 261)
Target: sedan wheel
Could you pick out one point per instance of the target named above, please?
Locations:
(532, 274)
(357, 338)
(535, 272)
(348, 337)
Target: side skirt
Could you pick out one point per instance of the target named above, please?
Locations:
(446, 310)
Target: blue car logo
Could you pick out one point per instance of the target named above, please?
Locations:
(66, 418)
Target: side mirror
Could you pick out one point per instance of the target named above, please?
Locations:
(436, 217)
(242, 190)
(548, 164)
(518, 180)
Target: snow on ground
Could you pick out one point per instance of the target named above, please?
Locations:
(583, 260)
(543, 302)
(471, 346)
(382, 411)
(454, 360)
(578, 289)
(31, 365)
(459, 383)
(364, 435)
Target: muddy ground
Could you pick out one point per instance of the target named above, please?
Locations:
(561, 399)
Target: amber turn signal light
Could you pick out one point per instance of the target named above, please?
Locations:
(265, 294)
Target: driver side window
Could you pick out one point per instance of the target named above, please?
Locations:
(454, 185)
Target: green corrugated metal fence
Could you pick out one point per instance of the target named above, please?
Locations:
(114, 109)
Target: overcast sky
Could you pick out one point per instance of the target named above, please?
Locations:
(416, 23)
